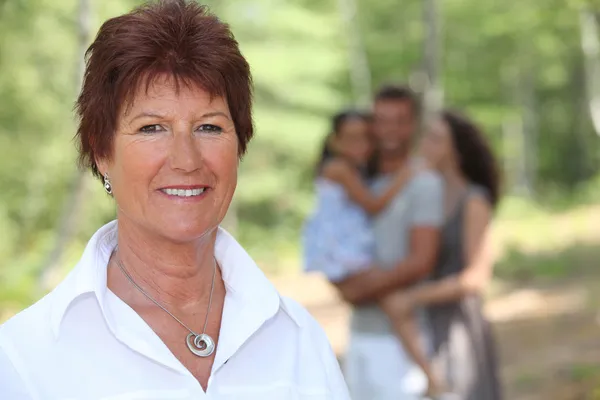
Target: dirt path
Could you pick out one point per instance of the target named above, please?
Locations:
(549, 335)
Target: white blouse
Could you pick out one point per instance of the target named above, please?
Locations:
(82, 342)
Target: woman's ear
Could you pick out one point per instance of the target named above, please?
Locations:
(102, 166)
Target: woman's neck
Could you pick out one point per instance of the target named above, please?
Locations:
(177, 275)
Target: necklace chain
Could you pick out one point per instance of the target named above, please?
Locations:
(212, 287)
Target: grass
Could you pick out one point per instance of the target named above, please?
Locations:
(523, 266)
(587, 378)
(534, 242)
(584, 372)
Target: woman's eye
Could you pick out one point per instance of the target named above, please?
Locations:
(210, 128)
(151, 128)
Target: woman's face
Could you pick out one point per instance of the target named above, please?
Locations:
(437, 146)
(173, 168)
(353, 141)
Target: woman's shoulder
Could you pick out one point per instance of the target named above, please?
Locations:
(310, 329)
(34, 315)
(477, 204)
(302, 318)
(295, 311)
(40, 314)
(478, 194)
(319, 365)
(27, 333)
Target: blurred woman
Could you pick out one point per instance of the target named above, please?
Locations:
(163, 303)
(463, 346)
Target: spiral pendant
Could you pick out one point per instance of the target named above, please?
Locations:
(201, 345)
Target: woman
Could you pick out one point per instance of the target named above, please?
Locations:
(164, 304)
(463, 346)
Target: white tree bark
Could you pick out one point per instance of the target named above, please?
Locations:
(520, 130)
(430, 80)
(530, 130)
(360, 72)
(73, 204)
(515, 167)
(591, 50)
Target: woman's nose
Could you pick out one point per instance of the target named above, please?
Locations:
(185, 151)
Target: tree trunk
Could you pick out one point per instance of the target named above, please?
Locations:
(78, 187)
(431, 86)
(591, 52)
(530, 130)
(520, 130)
(513, 155)
(360, 73)
(508, 152)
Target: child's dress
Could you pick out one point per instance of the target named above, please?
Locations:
(337, 237)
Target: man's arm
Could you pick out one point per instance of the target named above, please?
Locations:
(424, 246)
(369, 285)
(427, 215)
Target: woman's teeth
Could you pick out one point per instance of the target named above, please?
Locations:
(183, 192)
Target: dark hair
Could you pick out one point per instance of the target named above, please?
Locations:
(476, 158)
(337, 122)
(399, 93)
(176, 38)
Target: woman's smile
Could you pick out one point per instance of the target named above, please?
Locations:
(187, 194)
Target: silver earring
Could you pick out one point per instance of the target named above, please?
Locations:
(107, 185)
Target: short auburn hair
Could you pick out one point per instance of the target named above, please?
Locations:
(180, 39)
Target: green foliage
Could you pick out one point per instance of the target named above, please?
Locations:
(521, 266)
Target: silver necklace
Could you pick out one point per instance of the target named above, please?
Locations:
(201, 344)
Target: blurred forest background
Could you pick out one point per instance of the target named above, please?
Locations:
(528, 71)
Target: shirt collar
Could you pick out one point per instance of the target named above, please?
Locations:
(243, 279)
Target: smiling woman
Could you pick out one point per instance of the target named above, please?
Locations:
(164, 303)
(173, 166)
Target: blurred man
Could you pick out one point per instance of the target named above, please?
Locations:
(407, 240)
